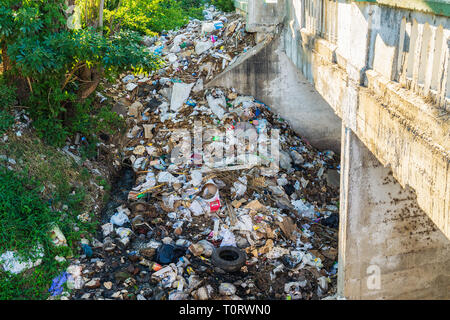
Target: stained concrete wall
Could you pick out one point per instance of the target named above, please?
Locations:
(265, 15)
(383, 229)
(377, 76)
(405, 131)
(397, 126)
(267, 73)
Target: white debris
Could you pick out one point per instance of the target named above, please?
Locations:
(12, 262)
(131, 86)
(180, 94)
(217, 105)
(202, 46)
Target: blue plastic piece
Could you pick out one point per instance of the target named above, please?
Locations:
(58, 284)
(87, 250)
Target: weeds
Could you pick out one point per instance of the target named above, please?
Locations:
(49, 189)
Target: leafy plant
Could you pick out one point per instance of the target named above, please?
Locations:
(25, 219)
(108, 121)
(6, 121)
(224, 5)
(104, 183)
(60, 66)
(153, 16)
(7, 99)
(23, 214)
(7, 95)
(193, 8)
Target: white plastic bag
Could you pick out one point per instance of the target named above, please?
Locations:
(228, 238)
(119, 219)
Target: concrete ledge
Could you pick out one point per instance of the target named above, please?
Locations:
(398, 126)
(413, 142)
(433, 122)
(341, 61)
(413, 160)
(440, 7)
(325, 49)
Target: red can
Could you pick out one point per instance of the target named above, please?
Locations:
(214, 205)
(156, 267)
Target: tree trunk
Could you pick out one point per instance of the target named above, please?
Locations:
(5, 58)
(111, 27)
(100, 15)
(91, 79)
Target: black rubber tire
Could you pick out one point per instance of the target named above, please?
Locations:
(228, 258)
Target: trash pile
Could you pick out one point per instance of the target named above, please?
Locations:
(202, 48)
(188, 228)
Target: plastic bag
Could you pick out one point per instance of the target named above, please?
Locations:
(57, 286)
(228, 238)
(119, 219)
(227, 289)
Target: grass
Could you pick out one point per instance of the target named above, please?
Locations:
(6, 121)
(45, 187)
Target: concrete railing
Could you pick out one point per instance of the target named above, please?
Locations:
(241, 5)
(320, 17)
(420, 54)
(423, 59)
(406, 41)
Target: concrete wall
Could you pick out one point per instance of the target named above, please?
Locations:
(383, 229)
(377, 108)
(406, 130)
(264, 15)
(384, 71)
(266, 73)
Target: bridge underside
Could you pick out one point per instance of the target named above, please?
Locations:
(394, 214)
(382, 229)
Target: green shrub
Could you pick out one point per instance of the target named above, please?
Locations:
(193, 8)
(7, 99)
(107, 121)
(62, 67)
(153, 16)
(188, 4)
(224, 5)
(7, 95)
(6, 121)
(25, 220)
(91, 123)
(23, 214)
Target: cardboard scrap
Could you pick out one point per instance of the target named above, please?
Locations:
(288, 226)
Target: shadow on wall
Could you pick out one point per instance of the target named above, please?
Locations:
(267, 73)
(385, 230)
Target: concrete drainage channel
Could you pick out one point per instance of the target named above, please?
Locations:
(187, 228)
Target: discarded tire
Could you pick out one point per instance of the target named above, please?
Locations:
(228, 258)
